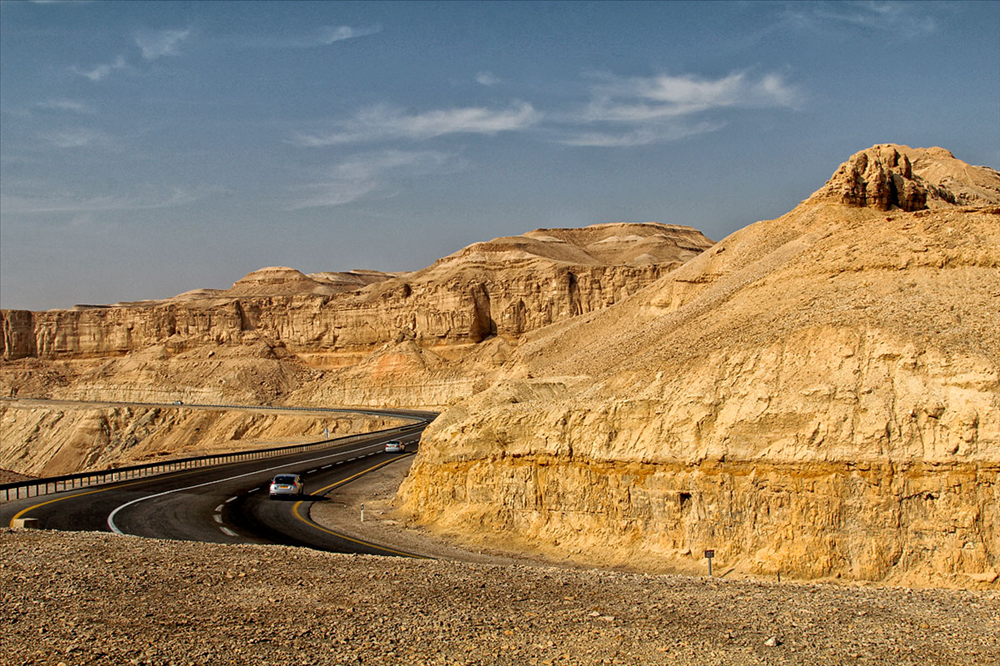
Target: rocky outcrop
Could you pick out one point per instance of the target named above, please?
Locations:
(503, 288)
(360, 338)
(18, 334)
(63, 438)
(816, 395)
(889, 176)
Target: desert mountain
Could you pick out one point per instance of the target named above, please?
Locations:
(358, 338)
(284, 281)
(815, 395)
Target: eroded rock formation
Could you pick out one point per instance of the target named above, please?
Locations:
(505, 287)
(360, 338)
(52, 439)
(816, 395)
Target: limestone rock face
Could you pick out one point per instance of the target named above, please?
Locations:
(63, 439)
(816, 395)
(422, 339)
(505, 288)
(889, 176)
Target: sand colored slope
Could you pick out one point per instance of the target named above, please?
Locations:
(816, 394)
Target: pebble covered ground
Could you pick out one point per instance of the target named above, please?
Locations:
(95, 598)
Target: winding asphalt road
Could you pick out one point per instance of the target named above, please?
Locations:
(221, 504)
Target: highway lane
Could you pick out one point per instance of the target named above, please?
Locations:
(221, 504)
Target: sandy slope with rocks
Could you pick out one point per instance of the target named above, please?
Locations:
(816, 394)
(89, 598)
(45, 438)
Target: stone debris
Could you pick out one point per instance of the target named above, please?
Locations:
(94, 598)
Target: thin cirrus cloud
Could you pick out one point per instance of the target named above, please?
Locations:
(323, 36)
(67, 105)
(78, 137)
(642, 110)
(382, 123)
(157, 44)
(908, 19)
(146, 199)
(100, 72)
(361, 175)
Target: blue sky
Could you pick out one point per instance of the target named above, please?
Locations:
(151, 148)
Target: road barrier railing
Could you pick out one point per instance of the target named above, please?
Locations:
(55, 484)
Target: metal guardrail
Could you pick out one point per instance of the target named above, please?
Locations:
(56, 484)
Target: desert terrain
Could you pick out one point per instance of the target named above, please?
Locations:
(91, 598)
(814, 396)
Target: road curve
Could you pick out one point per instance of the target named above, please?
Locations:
(220, 504)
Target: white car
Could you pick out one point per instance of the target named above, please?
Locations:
(395, 446)
(287, 484)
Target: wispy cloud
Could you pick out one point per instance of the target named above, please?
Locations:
(67, 105)
(147, 198)
(381, 122)
(361, 175)
(79, 137)
(157, 44)
(908, 19)
(321, 36)
(640, 136)
(488, 79)
(641, 110)
(100, 72)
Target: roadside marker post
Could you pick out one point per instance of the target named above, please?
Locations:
(362, 512)
(709, 554)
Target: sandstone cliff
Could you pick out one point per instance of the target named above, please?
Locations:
(500, 289)
(816, 395)
(420, 339)
(43, 439)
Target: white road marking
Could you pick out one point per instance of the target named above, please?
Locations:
(231, 499)
(326, 466)
(310, 471)
(226, 530)
(219, 508)
(253, 490)
(351, 459)
(217, 518)
(111, 517)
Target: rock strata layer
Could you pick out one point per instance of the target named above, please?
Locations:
(816, 395)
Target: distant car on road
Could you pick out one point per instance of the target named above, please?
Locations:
(395, 446)
(178, 402)
(286, 484)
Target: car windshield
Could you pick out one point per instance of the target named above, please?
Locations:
(284, 479)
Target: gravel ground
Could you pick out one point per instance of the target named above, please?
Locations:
(95, 598)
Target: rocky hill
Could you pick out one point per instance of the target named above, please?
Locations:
(816, 395)
(421, 339)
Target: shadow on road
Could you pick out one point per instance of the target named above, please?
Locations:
(298, 498)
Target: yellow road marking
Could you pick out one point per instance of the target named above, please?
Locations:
(310, 523)
(92, 492)
(113, 487)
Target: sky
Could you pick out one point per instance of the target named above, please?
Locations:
(151, 148)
